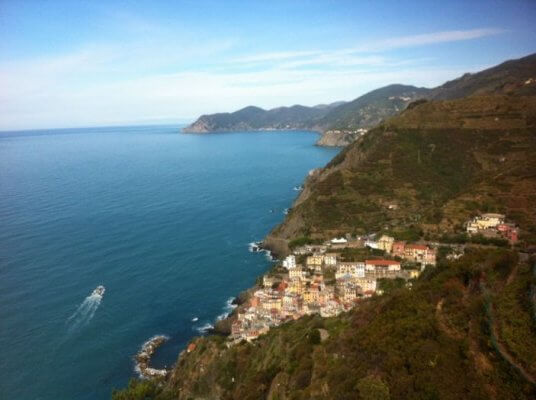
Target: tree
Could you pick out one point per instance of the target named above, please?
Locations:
(372, 388)
(314, 337)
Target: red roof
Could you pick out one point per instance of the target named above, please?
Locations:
(191, 347)
(417, 246)
(382, 262)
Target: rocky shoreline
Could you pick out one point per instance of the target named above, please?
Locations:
(143, 358)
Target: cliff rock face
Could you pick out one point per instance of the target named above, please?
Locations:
(336, 138)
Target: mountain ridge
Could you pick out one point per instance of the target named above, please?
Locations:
(256, 118)
(339, 123)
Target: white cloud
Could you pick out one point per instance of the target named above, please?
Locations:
(429, 38)
(149, 80)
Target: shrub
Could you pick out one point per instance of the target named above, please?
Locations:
(373, 388)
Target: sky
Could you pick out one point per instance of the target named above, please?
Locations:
(96, 63)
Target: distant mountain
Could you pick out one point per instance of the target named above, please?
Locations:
(340, 125)
(339, 122)
(371, 108)
(254, 118)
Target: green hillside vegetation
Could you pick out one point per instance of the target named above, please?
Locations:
(371, 108)
(439, 162)
(506, 78)
(433, 341)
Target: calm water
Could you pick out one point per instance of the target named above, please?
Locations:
(162, 220)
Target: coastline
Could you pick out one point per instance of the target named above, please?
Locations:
(326, 139)
(274, 247)
(221, 326)
(252, 130)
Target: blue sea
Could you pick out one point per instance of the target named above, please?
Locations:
(161, 219)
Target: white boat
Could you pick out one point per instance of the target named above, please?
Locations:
(195, 319)
(99, 290)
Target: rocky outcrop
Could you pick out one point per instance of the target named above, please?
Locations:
(337, 138)
(143, 357)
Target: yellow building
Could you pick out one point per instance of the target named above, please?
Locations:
(297, 273)
(366, 284)
(294, 286)
(330, 259)
(485, 221)
(272, 303)
(386, 243)
(315, 261)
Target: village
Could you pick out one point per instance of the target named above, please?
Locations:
(316, 279)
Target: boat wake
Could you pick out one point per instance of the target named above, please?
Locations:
(86, 311)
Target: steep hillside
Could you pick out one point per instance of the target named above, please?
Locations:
(517, 77)
(510, 77)
(463, 331)
(255, 118)
(370, 109)
(438, 162)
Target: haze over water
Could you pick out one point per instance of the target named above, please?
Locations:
(162, 220)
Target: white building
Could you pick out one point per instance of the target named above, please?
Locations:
(382, 265)
(340, 240)
(297, 273)
(372, 244)
(330, 259)
(289, 262)
(366, 284)
(351, 269)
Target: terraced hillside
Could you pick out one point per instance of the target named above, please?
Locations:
(439, 162)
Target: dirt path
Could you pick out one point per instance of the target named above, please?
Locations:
(443, 325)
(505, 354)
(512, 275)
(494, 328)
